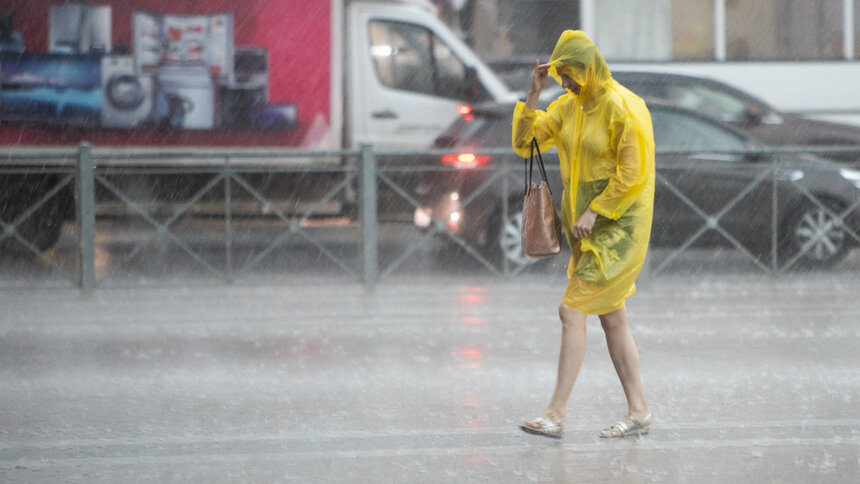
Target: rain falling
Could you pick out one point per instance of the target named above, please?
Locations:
(293, 241)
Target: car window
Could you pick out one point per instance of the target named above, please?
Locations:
(678, 131)
(496, 132)
(520, 80)
(708, 101)
(645, 88)
(410, 57)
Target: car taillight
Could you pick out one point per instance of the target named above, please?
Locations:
(466, 111)
(465, 160)
(453, 222)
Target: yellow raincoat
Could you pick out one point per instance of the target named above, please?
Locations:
(606, 152)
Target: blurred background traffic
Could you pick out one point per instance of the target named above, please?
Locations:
(238, 139)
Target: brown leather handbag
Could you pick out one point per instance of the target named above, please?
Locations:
(541, 231)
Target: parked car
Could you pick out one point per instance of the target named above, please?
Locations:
(742, 110)
(697, 191)
(724, 103)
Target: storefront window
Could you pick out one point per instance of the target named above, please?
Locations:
(670, 30)
(655, 30)
(692, 29)
(857, 29)
(533, 27)
(628, 30)
(784, 30)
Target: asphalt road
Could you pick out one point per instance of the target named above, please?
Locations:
(424, 380)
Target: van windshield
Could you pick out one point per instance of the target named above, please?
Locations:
(410, 57)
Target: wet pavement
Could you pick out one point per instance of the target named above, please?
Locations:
(425, 380)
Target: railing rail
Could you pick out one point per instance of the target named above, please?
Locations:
(365, 172)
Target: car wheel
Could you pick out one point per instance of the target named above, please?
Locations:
(510, 241)
(815, 234)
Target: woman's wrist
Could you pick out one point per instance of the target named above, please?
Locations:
(532, 99)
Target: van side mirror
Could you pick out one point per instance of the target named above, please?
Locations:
(473, 89)
(756, 157)
(752, 116)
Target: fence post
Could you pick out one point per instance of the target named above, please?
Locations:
(774, 207)
(85, 208)
(228, 220)
(369, 226)
(506, 266)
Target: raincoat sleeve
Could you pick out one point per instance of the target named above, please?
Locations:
(631, 171)
(534, 123)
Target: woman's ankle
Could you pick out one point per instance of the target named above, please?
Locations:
(554, 414)
(640, 408)
(639, 413)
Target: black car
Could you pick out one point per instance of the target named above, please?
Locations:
(727, 104)
(733, 106)
(715, 188)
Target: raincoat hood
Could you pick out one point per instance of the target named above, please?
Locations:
(577, 56)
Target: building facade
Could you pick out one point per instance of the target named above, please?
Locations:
(667, 30)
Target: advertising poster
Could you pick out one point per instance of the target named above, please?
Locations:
(146, 72)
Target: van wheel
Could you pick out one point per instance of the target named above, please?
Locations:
(42, 229)
(816, 233)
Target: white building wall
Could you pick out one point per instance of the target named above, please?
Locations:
(633, 29)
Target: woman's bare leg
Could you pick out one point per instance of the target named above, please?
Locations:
(625, 357)
(570, 357)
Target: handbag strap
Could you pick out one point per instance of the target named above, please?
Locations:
(530, 165)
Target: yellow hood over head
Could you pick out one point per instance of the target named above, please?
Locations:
(577, 56)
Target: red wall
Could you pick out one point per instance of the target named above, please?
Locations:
(296, 32)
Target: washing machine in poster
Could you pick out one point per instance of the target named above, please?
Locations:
(127, 97)
(186, 97)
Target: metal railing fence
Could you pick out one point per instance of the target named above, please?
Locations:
(776, 172)
(362, 176)
(228, 172)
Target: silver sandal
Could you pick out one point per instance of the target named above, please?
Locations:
(628, 427)
(547, 425)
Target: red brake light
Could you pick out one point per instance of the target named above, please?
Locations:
(466, 160)
(464, 109)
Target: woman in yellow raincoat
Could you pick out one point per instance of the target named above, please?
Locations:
(605, 144)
